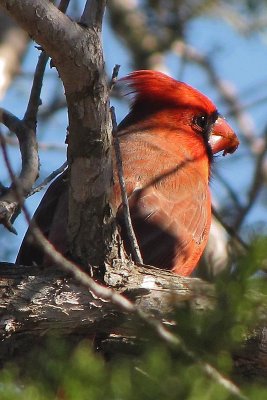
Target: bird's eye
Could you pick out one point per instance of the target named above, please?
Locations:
(201, 121)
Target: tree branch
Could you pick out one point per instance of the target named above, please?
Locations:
(81, 68)
(25, 131)
(30, 116)
(126, 209)
(49, 178)
(93, 14)
(9, 206)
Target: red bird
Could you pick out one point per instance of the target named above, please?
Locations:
(167, 143)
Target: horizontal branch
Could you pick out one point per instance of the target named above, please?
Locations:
(36, 302)
(40, 300)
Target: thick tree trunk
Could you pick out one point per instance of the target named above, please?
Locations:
(76, 51)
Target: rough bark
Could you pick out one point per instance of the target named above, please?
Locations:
(76, 51)
(36, 303)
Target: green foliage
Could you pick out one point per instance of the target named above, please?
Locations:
(155, 375)
(159, 370)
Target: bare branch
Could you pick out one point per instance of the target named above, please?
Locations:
(242, 246)
(8, 208)
(29, 171)
(48, 179)
(81, 68)
(114, 77)
(93, 14)
(13, 123)
(30, 116)
(126, 210)
(25, 131)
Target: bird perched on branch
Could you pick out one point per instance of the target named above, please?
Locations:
(167, 144)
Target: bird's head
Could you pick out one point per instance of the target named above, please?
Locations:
(156, 93)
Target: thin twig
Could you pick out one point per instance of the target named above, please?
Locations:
(126, 209)
(25, 131)
(230, 230)
(49, 178)
(29, 170)
(12, 122)
(114, 76)
(30, 116)
(7, 207)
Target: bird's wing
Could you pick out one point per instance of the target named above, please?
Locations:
(50, 216)
(169, 211)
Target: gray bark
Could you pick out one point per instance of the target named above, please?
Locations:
(36, 303)
(76, 51)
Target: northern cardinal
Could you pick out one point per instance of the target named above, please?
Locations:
(167, 143)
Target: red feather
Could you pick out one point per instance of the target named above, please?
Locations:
(154, 88)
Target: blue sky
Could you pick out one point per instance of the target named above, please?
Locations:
(239, 60)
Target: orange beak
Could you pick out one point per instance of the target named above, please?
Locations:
(222, 137)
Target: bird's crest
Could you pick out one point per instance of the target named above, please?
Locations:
(155, 88)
